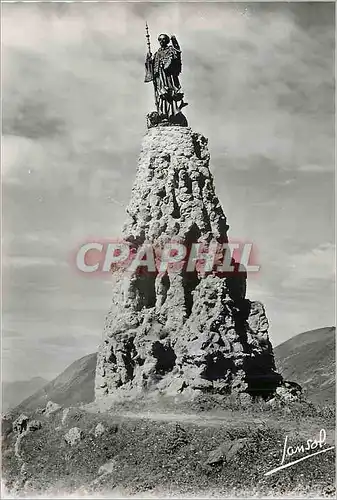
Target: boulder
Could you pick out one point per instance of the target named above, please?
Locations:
(226, 451)
(107, 468)
(34, 425)
(74, 436)
(99, 429)
(20, 424)
(51, 408)
(65, 415)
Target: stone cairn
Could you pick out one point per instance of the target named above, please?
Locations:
(181, 332)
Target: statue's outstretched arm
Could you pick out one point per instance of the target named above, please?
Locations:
(175, 43)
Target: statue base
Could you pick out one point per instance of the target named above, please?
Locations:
(178, 332)
(154, 119)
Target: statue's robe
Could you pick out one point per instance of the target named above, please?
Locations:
(164, 69)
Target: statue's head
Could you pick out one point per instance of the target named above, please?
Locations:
(163, 40)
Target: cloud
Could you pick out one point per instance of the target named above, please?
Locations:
(21, 155)
(24, 261)
(264, 101)
(308, 269)
(312, 168)
(32, 121)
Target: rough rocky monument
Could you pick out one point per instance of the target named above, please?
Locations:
(180, 331)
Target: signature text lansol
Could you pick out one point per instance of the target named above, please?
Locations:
(298, 449)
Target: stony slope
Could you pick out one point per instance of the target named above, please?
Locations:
(309, 358)
(75, 452)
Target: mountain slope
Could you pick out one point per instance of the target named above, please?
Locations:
(14, 392)
(309, 359)
(74, 385)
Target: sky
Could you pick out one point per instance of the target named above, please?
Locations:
(259, 80)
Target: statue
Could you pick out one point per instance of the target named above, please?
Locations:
(163, 70)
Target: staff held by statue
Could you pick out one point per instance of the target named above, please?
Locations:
(149, 65)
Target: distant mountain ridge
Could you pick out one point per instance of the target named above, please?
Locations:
(308, 359)
(14, 392)
(73, 386)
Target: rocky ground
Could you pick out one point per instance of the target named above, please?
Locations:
(213, 447)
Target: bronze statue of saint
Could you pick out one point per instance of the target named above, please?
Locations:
(163, 69)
